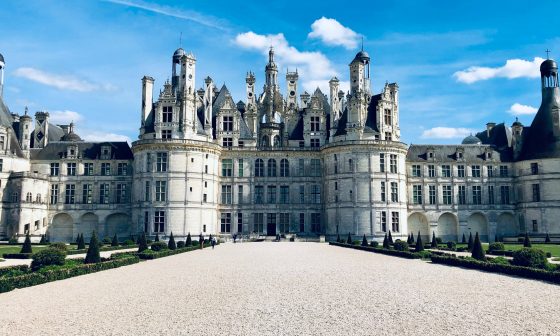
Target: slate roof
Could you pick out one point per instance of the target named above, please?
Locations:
(371, 120)
(447, 153)
(6, 119)
(297, 133)
(88, 150)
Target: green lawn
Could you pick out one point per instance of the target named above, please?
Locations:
(17, 248)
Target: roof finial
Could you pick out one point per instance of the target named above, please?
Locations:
(181, 40)
(547, 52)
(26, 110)
(362, 43)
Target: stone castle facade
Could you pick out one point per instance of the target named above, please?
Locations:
(305, 164)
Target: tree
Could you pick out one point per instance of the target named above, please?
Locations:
(408, 239)
(349, 239)
(470, 243)
(142, 242)
(338, 238)
(157, 237)
(434, 241)
(81, 243)
(189, 240)
(364, 241)
(115, 241)
(412, 237)
(26, 248)
(464, 240)
(386, 242)
(390, 238)
(43, 239)
(547, 238)
(92, 255)
(527, 241)
(477, 250)
(496, 239)
(419, 243)
(171, 243)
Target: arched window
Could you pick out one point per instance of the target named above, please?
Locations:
(271, 168)
(284, 168)
(38, 198)
(29, 197)
(276, 141)
(259, 167)
(264, 141)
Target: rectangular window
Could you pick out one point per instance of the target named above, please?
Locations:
(71, 169)
(161, 191)
(228, 124)
(388, 117)
(55, 166)
(225, 222)
(204, 198)
(54, 193)
(240, 194)
(351, 165)
(491, 195)
(315, 167)
(316, 222)
(383, 191)
(161, 162)
(302, 194)
(258, 222)
(477, 194)
(226, 194)
(104, 193)
(475, 171)
(227, 142)
(146, 221)
(462, 195)
(382, 162)
(431, 171)
(383, 221)
(490, 171)
(149, 162)
(534, 168)
(432, 195)
(388, 136)
(122, 168)
(395, 221)
(105, 168)
(271, 220)
(416, 171)
(447, 194)
(271, 194)
(393, 163)
(301, 222)
(240, 143)
(460, 171)
(504, 194)
(417, 194)
(536, 193)
(504, 171)
(1, 164)
(70, 194)
(240, 168)
(284, 224)
(239, 222)
(121, 196)
(301, 167)
(446, 171)
(315, 122)
(87, 194)
(284, 194)
(315, 143)
(259, 194)
(167, 114)
(316, 194)
(535, 225)
(166, 134)
(394, 192)
(227, 167)
(147, 192)
(88, 168)
(159, 221)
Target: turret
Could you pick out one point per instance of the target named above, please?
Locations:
(208, 98)
(304, 99)
(517, 138)
(291, 83)
(175, 70)
(359, 73)
(25, 131)
(271, 71)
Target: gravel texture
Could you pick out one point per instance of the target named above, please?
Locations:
(284, 289)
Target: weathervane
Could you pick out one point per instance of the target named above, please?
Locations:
(547, 52)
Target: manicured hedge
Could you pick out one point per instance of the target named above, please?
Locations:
(36, 278)
(402, 254)
(524, 272)
(149, 254)
(17, 255)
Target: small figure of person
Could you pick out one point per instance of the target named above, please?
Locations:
(234, 238)
(213, 242)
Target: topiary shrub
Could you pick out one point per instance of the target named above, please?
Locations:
(411, 238)
(47, 257)
(43, 239)
(13, 241)
(338, 240)
(115, 241)
(189, 240)
(477, 250)
(547, 238)
(158, 246)
(180, 244)
(92, 255)
(106, 241)
(356, 242)
(81, 242)
(374, 243)
(451, 245)
(128, 242)
(463, 240)
(439, 240)
(349, 239)
(498, 260)
(419, 244)
(401, 245)
(364, 241)
(527, 241)
(26, 248)
(530, 257)
(434, 241)
(142, 243)
(470, 243)
(496, 247)
(386, 242)
(171, 243)
(59, 246)
(390, 238)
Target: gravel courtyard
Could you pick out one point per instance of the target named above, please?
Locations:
(284, 289)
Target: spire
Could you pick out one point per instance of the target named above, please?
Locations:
(271, 55)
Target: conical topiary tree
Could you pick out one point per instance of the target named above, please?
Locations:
(419, 243)
(434, 241)
(142, 242)
(115, 241)
(157, 237)
(464, 240)
(349, 239)
(527, 241)
(188, 242)
(364, 241)
(412, 237)
(470, 242)
(81, 242)
(338, 238)
(26, 248)
(92, 255)
(171, 243)
(386, 242)
(547, 238)
(390, 238)
(496, 239)
(477, 250)
(408, 239)
(43, 239)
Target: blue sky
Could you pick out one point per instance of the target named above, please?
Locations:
(458, 65)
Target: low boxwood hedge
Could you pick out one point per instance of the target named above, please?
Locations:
(402, 254)
(17, 255)
(150, 254)
(524, 272)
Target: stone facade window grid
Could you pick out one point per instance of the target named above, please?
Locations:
(258, 222)
(29, 197)
(71, 168)
(504, 194)
(432, 195)
(475, 171)
(301, 222)
(416, 172)
(284, 194)
(431, 171)
(54, 193)
(284, 168)
(159, 221)
(536, 192)
(504, 171)
(225, 222)
(88, 168)
(227, 167)
(122, 169)
(315, 167)
(161, 191)
(490, 171)
(417, 194)
(227, 142)
(271, 168)
(534, 168)
(447, 194)
(302, 194)
(239, 222)
(227, 123)
(167, 114)
(240, 168)
(316, 194)
(147, 191)
(394, 192)
(462, 194)
(383, 221)
(271, 197)
(259, 194)
(240, 198)
(259, 168)
(477, 195)
(301, 167)
(55, 166)
(161, 161)
(70, 193)
(104, 193)
(491, 194)
(446, 171)
(383, 192)
(106, 168)
(395, 225)
(460, 171)
(87, 193)
(382, 162)
(121, 196)
(393, 163)
(226, 194)
(316, 222)
(315, 124)
(284, 223)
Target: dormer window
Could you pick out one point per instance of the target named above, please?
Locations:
(227, 124)
(167, 114)
(71, 151)
(105, 152)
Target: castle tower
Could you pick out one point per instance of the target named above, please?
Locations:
(291, 81)
(251, 113)
(271, 71)
(336, 106)
(175, 70)
(207, 100)
(359, 95)
(187, 80)
(41, 129)
(25, 131)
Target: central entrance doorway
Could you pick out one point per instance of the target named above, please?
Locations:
(271, 224)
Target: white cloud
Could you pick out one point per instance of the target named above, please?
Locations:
(520, 109)
(446, 133)
(100, 136)
(193, 16)
(61, 82)
(514, 68)
(312, 65)
(64, 117)
(331, 32)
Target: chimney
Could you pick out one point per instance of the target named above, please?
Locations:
(147, 97)
(489, 127)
